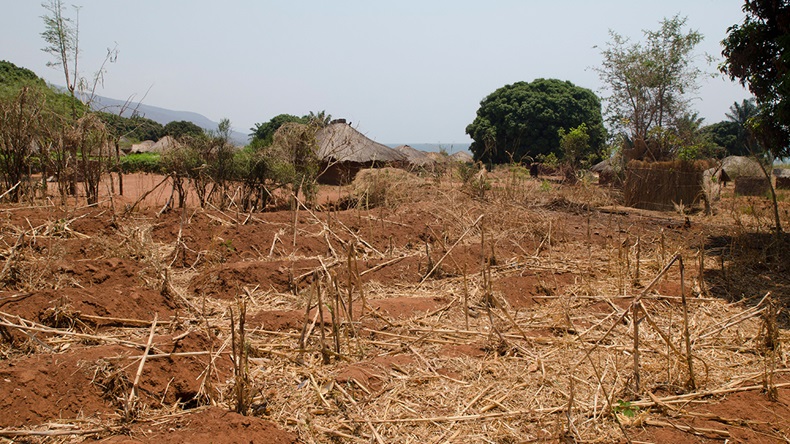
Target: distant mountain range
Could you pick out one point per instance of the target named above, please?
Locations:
(162, 115)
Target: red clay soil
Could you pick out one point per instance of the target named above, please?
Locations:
(59, 307)
(520, 290)
(86, 382)
(209, 425)
(39, 388)
(277, 320)
(746, 416)
(373, 374)
(226, 281)
(80, 279)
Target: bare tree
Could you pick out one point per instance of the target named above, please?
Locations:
(649, 83)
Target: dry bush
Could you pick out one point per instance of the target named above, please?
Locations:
(385, 187)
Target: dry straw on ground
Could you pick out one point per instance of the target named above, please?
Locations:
(469, 363)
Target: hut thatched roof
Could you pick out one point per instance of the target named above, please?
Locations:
(738, 166)
(340, 142)
(164, 144)
(414, 156)
(142, 147)
(461, 156)
(602, 166)
(782, 172)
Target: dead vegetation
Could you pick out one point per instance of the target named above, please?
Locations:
(527, 311)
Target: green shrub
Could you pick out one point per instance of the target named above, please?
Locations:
(141, 163)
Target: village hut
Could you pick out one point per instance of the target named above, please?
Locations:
(462, 157)
(419, 161)
(142, 147)
(414, 157)
(606, 172)
(164, 144)
(782, 176)
(745, 171)
(344, 151)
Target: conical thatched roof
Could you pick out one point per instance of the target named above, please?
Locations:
(164, 144)
(461, 156)
(142, 147)
(340, 142)
(602, 166)
(738, 166)
(414, 156)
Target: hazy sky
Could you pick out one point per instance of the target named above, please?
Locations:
(402, 71)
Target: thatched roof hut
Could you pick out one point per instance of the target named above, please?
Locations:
(739, 166)
(462, 156)
(415, 157)
(164, 144)
(606, 172)
(344, 151)
(142, 147)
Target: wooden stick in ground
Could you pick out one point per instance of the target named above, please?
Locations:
(466, 299)
(635, 321)
(324, 349)
(692, 384)
(133, 393)
(449, 250)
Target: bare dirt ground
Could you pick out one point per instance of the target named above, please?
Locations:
(533, 312)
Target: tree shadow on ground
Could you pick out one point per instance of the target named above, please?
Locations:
(748, 266)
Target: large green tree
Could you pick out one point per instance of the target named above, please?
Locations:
(523, 120)
(650, 83)
(757, 53)
(725, 134)
(263, 133)
(181, 128)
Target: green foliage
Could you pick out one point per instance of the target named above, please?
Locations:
(135, 127)
(263, 133)
(575, 146)
(757, 53)
(725, 135)
(13, 78)
(293, 158)
(550, 160)
(522, 120)
(650, 82)
(181, 128)
(626, 408)
(141, 163)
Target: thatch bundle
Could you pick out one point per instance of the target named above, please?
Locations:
(663, 185)
(386, 187)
